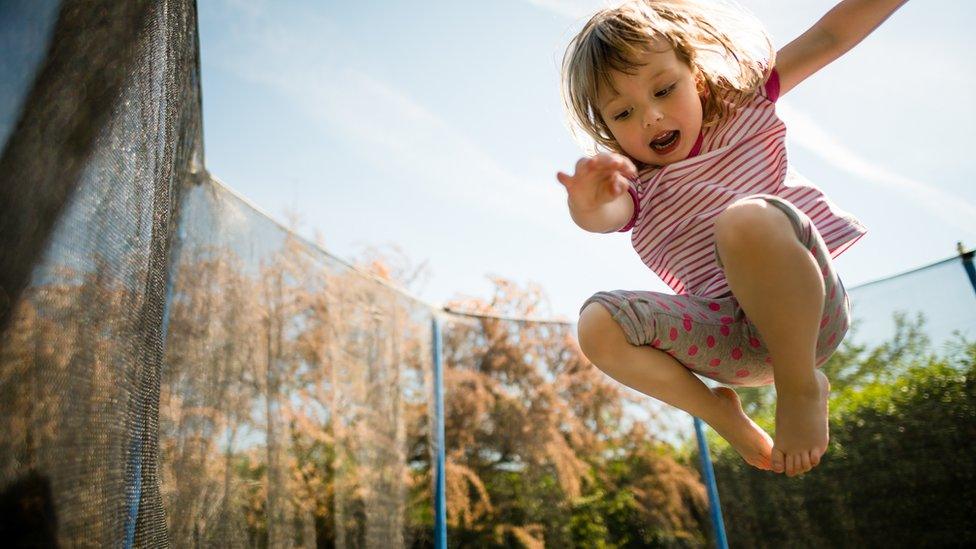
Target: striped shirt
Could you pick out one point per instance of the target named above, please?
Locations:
(675, 206)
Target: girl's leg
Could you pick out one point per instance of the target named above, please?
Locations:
(658, 375)
(780, 287)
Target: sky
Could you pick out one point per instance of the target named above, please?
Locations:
(438, 128)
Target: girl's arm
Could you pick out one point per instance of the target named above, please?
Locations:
(606, 218)
(837, 32)
(598, 198)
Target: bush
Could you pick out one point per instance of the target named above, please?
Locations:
(900, 469)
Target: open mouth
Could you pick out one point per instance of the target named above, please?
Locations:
(666, 142)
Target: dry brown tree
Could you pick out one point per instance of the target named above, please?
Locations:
(206, 398)
(532, 426)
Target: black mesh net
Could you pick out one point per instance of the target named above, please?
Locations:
(101, 123)
(295, 390)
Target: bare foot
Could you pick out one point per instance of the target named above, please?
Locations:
(802, 432)
(752, 443)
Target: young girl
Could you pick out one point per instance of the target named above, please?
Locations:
(694, 165)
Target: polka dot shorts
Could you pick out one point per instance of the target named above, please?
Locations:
(712, 336)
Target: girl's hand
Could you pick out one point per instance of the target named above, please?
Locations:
(598, 180)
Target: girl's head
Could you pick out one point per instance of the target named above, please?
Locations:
(643, 78)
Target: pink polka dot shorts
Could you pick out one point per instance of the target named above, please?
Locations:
(712, 336)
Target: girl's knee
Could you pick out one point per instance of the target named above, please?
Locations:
(594, 330)
(748, 220)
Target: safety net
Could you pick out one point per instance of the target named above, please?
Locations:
(295, 390)
(940, 298)
(101, 126)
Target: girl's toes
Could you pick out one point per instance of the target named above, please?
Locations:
(805, 462)
(778, 461)
(791, 465)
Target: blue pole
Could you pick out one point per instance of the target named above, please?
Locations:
(967, 264)
(440, 513)
(714, 505)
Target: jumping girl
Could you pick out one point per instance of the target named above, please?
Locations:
(681, 104)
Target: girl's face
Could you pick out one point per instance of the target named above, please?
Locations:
(655, 114)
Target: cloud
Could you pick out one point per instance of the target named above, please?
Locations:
(442, 162)
(949, 207)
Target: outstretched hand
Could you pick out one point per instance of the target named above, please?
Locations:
(598, 180)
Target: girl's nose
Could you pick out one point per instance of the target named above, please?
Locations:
(652, 116)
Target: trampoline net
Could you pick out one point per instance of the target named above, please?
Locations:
(224, 384)
(294, 394)
(940, 295)
(100, 126)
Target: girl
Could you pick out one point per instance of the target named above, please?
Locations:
(694, 165)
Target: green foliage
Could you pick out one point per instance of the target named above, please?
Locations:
(640, 498)
(900, 469)
(854, 366)
(600, 519)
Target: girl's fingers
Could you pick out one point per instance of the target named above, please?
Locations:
(620, 185)
(628, 169)
(611, 172)
(601, 161)
(624, 166)
(617, 162)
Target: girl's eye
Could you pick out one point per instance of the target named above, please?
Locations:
(622, 115)
(666, 91)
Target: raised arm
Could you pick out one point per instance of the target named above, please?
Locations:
(834, 34)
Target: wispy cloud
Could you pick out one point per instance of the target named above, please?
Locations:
(369, 111)
(949, 207)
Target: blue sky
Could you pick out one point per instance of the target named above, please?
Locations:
(438, 127)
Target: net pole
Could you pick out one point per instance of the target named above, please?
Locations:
(440, 514)
(967, 264)
(714, 506)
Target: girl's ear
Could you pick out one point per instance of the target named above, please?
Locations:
(700, 86)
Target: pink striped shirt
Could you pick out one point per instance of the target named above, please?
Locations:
(675, 206)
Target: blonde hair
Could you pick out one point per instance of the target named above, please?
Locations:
(725, 46)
